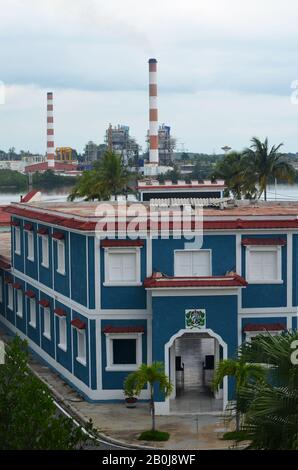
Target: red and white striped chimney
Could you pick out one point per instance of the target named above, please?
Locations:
(153, 117)
(50, 131)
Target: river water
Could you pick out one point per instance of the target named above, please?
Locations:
(282, 192)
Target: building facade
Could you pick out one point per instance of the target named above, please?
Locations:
(94, 308)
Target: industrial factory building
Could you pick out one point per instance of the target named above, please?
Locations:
(118, 140)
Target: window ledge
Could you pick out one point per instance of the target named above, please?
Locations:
(33, 325)
(30, 259)
(19, 314)
(63, 347)
(47, 335)
(122, 367)
(10, 307)
(44, 265)
(269, 281)
(62, 273)
(17, 253)
(81, 360)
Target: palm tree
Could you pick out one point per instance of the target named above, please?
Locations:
(266, 163)
(152, 375)
(271, 421)
(231, 169)
(243, 373)
(108, 177)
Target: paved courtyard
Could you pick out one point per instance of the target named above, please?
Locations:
(190, 431)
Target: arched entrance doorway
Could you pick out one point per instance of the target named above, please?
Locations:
(191, 356)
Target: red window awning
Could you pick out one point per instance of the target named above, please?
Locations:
(60, 312)
(30, 294)
(44, 303)
(264, 327)
(8, 280)
(28, 227)
(42, 231)
(17, 285)
(79, 324)
(264, 241)
(58, 235)
(121, 243)
(15, 223)
(124, 329)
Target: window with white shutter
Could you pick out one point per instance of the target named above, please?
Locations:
(32, 313)
(122, 267)
(17, 233)
(45, 251)
(61, 257)
(196, 263)
(263, 264)
(19, 303)
(30, 246)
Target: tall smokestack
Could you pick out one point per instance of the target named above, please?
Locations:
(50, 131)
(153, 118)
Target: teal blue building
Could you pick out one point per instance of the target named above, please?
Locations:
(94, 303)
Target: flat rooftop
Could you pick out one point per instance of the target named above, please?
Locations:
(84, 216)
(92, 209)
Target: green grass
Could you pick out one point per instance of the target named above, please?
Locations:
(154, 436)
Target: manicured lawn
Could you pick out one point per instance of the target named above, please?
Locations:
(154, 436)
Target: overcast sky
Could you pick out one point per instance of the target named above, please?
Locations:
(225, 69)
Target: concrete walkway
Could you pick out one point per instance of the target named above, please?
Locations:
(117, 422)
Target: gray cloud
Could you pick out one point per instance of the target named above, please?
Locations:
(96, 52)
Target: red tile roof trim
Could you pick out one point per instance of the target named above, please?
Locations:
(263, 241)
(44, 303)
(60, 312)
(58, 235)
(17, 285)
(264, 327)
(28, 227)
(123, 329)
(30, 294)
(4, 217)
(159, 280)
(84, 225)
(181, 186)
(121, 243)
(79, 324)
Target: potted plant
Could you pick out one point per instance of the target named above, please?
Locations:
(130, 392)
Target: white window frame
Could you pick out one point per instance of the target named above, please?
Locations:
(19, 309)
(252, 334)
(1, 289)
(81, 346)
(30, 246)
(193, 251)
(60, 264)
(63, 327)
(45, 252)
(17, 238)
(47, 322)
(32, 312)
(110, 355)
(135, 251)
(10, 296)
(253, 249)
